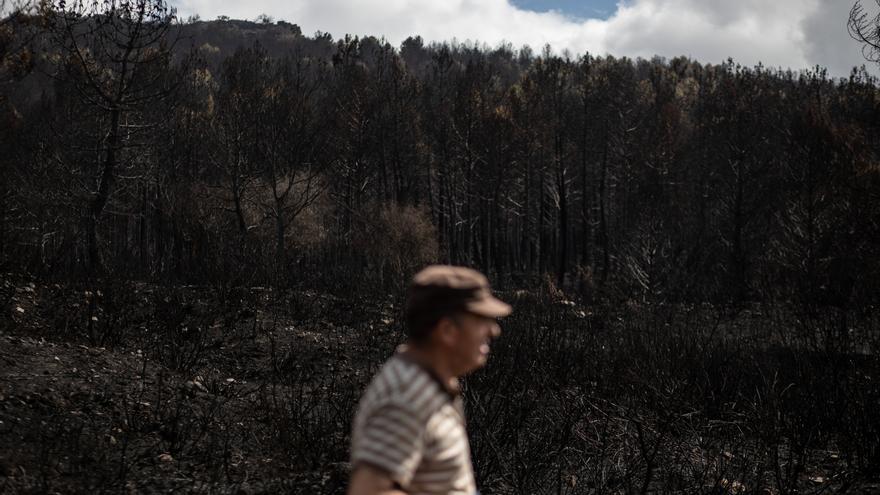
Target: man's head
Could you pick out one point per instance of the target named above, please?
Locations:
(452, 309)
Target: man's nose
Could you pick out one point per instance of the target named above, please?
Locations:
(496, 330)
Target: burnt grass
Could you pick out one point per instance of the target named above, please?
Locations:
(139, 388)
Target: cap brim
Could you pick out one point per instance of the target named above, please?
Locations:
(489, 306)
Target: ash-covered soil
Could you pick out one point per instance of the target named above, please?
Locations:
(156, 389)
(139, 388)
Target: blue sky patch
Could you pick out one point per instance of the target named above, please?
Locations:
(581, 9)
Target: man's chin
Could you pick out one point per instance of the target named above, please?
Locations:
(481, 360)
(478, 363)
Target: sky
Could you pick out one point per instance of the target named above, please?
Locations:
(577, 9)
(796, 34)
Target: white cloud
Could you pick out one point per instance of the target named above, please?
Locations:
(826, 46)
(793, 34)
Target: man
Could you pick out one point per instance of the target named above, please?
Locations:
(409, 432)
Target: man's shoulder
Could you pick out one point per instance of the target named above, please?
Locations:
(405, 385)
(397, 377)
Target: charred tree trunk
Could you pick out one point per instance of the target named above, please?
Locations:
(563, 230)
(586, 229)
(562, 192)
(603, 220)
(99, 200)
(280, 231)
(237, 192)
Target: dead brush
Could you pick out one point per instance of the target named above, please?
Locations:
(181, 337)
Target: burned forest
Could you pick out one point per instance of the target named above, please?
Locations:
(207, 229)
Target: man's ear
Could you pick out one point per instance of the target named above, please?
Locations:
(446, 331)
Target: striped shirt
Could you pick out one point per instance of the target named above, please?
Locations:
(411, 427)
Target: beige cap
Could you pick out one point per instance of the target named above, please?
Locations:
(445, 287)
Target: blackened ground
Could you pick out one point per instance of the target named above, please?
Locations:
(145, 388)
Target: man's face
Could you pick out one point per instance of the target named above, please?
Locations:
(471, 339)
